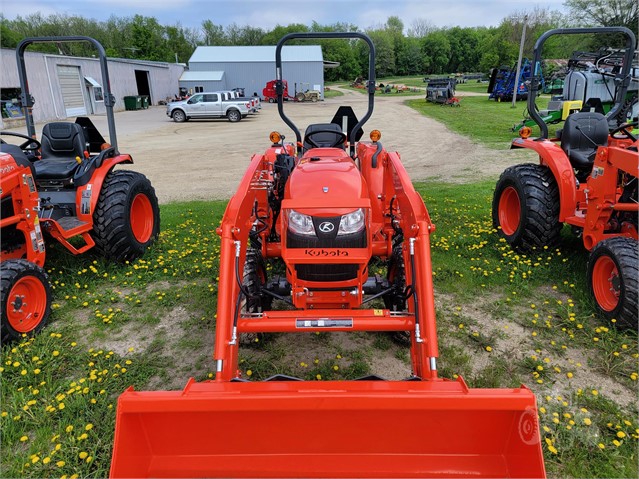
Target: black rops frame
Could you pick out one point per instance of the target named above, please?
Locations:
(622, 78)
(27, 101)
(279, 84)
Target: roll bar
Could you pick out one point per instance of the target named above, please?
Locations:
(27, 101)
(279, 84)
(623, 77)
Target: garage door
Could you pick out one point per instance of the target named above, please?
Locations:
(72, 92)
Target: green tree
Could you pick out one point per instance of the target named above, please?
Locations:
(385, 53)
(213, 34)
(436, 51)
(607, 13)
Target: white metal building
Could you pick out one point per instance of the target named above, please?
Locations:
(65, 86)
(250, 67)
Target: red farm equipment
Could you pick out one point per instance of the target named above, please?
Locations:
(65, 187)
(270, 95)
(586, 178)
(325, 207)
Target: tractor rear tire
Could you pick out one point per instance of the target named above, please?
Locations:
(613, 277)
(254, 280)
(25, 295)
(126, 220)
(525, 207)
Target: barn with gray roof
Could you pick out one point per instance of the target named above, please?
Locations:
(251, 67)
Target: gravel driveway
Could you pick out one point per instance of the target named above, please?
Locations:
(205, 159)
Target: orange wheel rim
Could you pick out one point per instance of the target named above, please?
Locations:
(509, 211)
(142, 218)
(605, 283)
(26, 304)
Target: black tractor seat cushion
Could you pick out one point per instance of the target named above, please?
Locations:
(582, 134)
(325, 139)
(62, 143)
(55, 169)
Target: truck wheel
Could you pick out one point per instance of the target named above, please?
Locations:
(25, 297)
(613, 277)
(525, 207)
(179, 116)
(271, 100)
(234, 116)
(126, 220)
(254, 280)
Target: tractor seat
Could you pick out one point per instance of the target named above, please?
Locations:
(325, 139)
(62, 143)
(582, 134)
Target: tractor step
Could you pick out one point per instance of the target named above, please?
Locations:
(68, 223)
(309, 321)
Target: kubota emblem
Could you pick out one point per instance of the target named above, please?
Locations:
(326, 227)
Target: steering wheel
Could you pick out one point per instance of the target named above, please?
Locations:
(624, 130)
(341, 140)
(31, 145)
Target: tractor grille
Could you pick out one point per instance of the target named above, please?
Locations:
(330, 271)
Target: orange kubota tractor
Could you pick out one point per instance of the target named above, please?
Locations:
(325, 207)
(587, 178)
(25, 292)
(66, 187)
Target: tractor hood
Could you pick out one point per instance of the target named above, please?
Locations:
(328, 174)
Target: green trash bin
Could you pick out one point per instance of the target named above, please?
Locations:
(145, 101)
(132, 102)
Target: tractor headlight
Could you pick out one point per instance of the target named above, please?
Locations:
(352, 222)
(300, 223)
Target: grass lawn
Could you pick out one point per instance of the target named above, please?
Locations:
(488, 122)
(503, 319)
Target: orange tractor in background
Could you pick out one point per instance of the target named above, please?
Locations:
(64, 186)
(323, 208)
(586, 178)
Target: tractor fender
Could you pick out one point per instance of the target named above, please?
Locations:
(87, 195)
(552, 156)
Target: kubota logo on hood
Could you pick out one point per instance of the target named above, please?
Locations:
(326, 227)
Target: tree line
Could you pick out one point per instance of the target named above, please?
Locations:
(415, 49)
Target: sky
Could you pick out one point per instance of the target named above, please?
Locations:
(269, 13)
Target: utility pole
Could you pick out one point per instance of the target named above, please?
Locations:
(521, 53)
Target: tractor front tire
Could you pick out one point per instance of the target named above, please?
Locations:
(613, 277)
(25, 295)
(126, 220)
(395, 300)
(254, 280)
(525, 208)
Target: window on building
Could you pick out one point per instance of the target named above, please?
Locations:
(199, 89)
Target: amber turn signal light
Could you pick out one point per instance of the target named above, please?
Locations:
(376, 135)
(275, 137)
(525, 132)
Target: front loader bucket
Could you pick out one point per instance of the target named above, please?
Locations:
(328, 429)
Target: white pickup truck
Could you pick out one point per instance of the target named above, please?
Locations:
(209, 105)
